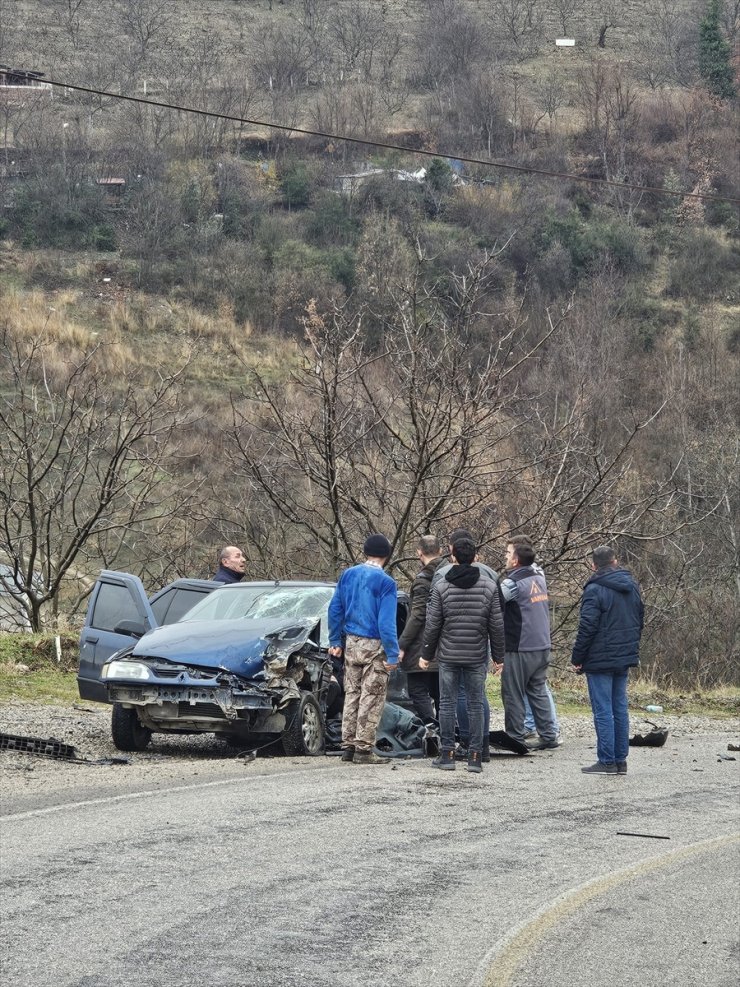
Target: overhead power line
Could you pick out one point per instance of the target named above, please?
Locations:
(524, 169)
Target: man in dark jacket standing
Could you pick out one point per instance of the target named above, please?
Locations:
(423, 685)
(607, 646)
(463, 620)
(231, 565)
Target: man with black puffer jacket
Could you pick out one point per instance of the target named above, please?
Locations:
(463, 620)
(607, 646)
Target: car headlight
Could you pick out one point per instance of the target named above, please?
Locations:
(127, 670)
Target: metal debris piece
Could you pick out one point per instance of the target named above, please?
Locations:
(35, 745)
(647, 836)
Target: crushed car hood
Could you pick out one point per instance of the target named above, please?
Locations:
(236, 646)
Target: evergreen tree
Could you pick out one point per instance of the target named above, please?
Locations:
(715, 66)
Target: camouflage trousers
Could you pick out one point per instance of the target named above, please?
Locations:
(365, 686)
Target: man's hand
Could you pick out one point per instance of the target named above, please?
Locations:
(424, 664)
(578, 668)
(336, 652)
(497, 667)
(401, 654)
(388, 667)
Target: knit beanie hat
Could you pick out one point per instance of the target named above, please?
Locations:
(377, 547)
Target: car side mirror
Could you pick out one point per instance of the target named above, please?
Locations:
(131, 628)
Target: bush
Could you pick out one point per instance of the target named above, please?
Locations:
(296, 185)
(103, 237)
(592, 242)
(704, 268)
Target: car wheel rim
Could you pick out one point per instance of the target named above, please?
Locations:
(311, 729)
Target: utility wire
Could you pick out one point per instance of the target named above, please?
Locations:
(526, 169)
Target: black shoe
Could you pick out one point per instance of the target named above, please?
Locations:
(445, 761)
(485, 754)
(600, 769)
(461, 753)
(348, 754)
(369, 757)
(621, 767)
(474, 764)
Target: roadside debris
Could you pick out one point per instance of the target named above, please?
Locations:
(53, 748)
(647, 836)
(733, 747)
(34, 745)
(655, 738)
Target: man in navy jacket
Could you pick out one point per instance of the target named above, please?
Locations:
(607, 646)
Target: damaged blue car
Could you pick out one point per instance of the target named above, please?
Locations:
(248, 662)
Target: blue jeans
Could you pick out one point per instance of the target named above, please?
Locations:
(529, 715)
(608, 695)
(462, 716)
(473, 678)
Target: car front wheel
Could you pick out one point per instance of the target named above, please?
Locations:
(304, 733)
(127, 732)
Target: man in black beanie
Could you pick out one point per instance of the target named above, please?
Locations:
(363, 610)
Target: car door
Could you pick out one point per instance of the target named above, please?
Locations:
(117, 596)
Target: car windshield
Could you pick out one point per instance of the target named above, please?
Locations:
(261, 602)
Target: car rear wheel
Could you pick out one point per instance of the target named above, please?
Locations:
(127, 732)
(304, 733)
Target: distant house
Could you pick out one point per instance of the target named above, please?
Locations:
(113, 189)
(349, 184)
(19, 84)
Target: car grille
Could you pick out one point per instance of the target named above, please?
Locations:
(212, 710)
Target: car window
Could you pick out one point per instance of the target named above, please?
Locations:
(112, 605)
(171, 606)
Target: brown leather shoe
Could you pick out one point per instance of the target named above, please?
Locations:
(370, 757)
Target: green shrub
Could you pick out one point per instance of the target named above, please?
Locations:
(704, 268)
(592, 241)
(103, 237)
(296, 184)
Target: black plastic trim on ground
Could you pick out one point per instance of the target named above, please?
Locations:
(34, 745)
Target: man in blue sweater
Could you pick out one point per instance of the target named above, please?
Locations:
(362, 624)
(607, 646)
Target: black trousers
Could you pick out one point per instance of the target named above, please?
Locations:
(424, 694)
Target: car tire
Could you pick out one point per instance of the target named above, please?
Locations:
(127, 732)
(304, 733)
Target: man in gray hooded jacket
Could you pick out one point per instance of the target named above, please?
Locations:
(463, 621)
(527, 627)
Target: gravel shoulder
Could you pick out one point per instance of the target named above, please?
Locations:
(29, 781)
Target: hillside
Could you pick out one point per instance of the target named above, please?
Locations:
(239, 343)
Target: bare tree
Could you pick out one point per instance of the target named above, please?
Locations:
(518, 27)
(147, 24)
(68, 14)
(609, 16)
(567, 12)
(85, 466)
(403, 440)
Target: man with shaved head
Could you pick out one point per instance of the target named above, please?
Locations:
(231, 565)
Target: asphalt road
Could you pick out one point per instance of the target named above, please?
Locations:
(311, 872)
